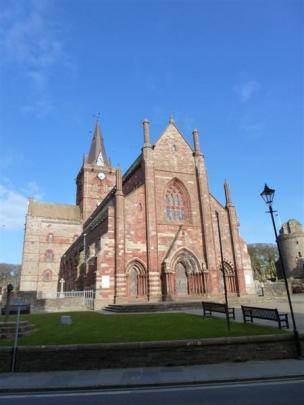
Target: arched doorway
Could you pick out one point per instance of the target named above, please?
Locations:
(181, 282)
(133, 283)
(230, 278)
(136, 280)
(183, 276)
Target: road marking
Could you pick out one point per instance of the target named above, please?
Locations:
(151, 390)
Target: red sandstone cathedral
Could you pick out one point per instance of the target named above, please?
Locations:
(146, 236)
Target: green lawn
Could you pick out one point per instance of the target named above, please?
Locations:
(91, 327)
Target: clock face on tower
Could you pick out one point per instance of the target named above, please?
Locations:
(101, 176)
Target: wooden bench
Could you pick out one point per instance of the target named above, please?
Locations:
(209, 307)
(269, 314)
(13, 309)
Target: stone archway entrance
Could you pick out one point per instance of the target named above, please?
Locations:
(183, 277)
(230, 277)
(136, 280)
(181, 281)
(133, 284)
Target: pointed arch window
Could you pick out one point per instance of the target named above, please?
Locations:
(176, 209)
(49, 256)
(47, 275)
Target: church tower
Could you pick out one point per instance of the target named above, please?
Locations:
(96, 176)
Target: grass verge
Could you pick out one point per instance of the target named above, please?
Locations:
(92, 327)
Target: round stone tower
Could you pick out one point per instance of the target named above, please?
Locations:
(291, 240)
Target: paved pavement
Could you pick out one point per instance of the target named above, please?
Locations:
(280, 303)
(154, 376)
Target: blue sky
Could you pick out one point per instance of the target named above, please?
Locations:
(233, 69)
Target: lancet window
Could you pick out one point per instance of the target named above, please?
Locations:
(47, 276)
(49, 256)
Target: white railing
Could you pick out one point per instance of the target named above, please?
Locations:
(67, 294)
(87, 295)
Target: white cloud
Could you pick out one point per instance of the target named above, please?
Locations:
(28, 38)
(29, 41)
(40, 107)
(13, 204)
(246, 90)
(33, 190)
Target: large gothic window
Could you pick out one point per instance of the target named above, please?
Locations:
(175, 203)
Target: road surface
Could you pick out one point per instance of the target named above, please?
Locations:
(249, 393)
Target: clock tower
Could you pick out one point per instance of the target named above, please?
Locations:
(96, 176)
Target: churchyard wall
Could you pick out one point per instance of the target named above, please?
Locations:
(148, 354)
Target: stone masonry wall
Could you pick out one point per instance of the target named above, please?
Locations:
(91, 190)
(150, 354)
(39, 271)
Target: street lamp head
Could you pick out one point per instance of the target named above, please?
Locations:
(267, 194)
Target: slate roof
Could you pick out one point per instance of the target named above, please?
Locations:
(54, 211)
(97, 147)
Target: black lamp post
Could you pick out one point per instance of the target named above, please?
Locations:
(223, 269)
(267, 194)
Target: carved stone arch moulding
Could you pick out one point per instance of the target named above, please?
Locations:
(176, 200)
(136, 263)
(228, 266)
(184, 276)
(230, 276)
(188, 259)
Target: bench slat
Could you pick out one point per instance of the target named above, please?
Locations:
(270, 314)
(217, 307)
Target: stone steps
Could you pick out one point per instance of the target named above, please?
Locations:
(156, 307)
(8, 329)
(179, 306)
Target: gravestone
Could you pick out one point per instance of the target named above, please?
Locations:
(66, 320)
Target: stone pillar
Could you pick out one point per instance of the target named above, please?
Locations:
(120, 277)
(146, 125)
(235, 241)
(154, 286)
(206, 214)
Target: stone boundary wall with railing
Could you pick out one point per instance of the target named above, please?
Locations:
(67, 301)
(148, 354)
(59, 305)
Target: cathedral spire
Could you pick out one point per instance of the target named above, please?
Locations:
(97, 154)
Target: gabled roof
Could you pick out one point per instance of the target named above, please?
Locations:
(97, 148)
(172, 124)
(54, 211)
(132, 168)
